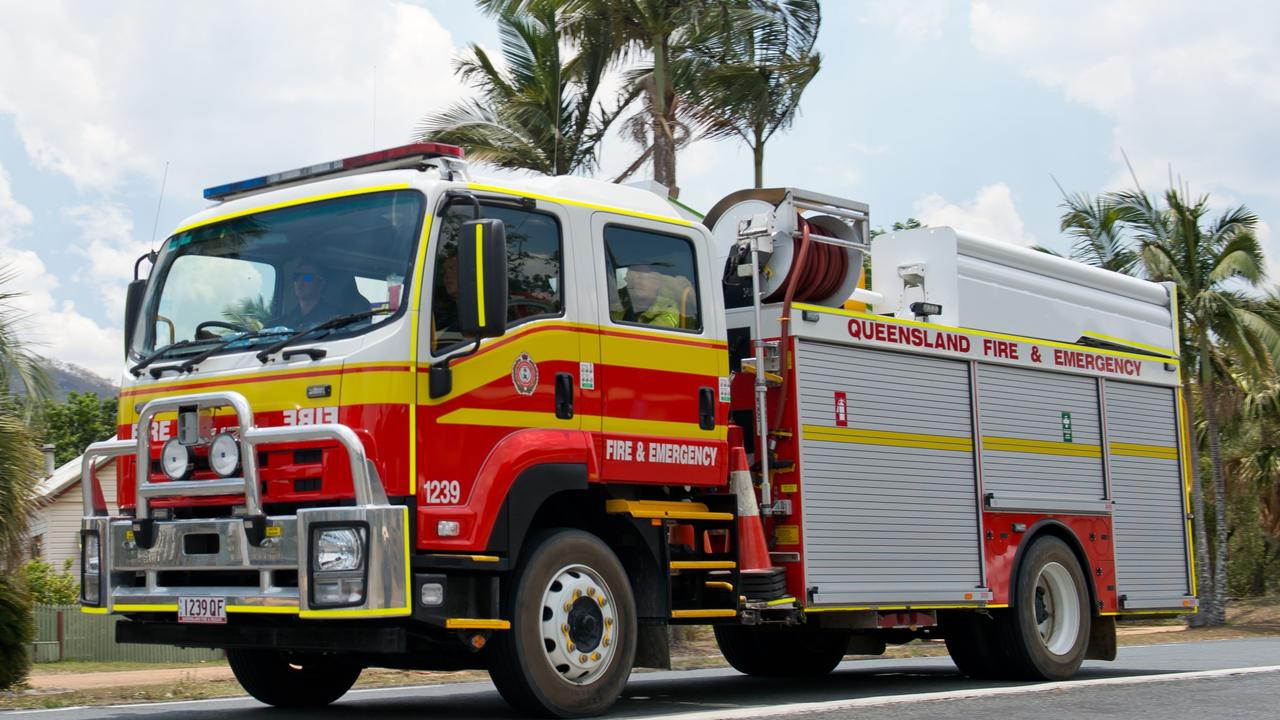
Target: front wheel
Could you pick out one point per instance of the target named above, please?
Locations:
(1046, 632)
(292, 680)
(573, 629)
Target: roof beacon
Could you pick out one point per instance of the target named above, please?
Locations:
(405, 156)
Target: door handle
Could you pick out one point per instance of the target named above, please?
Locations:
(706, 408)
(564, 395)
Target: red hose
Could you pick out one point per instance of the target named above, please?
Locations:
(806, 281)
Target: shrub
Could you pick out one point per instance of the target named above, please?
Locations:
(50, 586)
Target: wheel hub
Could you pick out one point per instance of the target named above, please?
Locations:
(578, 621)
(1056, 609)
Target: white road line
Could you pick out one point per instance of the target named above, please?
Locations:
(836, 705)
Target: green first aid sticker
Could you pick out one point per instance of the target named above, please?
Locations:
(1066, 426)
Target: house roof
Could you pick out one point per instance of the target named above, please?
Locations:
(64, 478)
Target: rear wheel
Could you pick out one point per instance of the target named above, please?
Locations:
(781, 652)
(573, 629)
(1046, 631)
(292, 680)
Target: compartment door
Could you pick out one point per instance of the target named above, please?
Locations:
(887, 477)
(1149, 521)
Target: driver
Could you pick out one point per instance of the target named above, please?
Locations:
(312, 306)
(651, 293)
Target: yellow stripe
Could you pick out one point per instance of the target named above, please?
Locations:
(579, 203)
(703, 565)
(862, 436)
(378, 613)
(160, 607)
(476, 624)
(291, 203)
(1183, 437)
(726, 612)
(415, 312)
(480, 273)
(660, 509)
(1041, 447)
(1151, 451)
(865, 608)
(979, 333)
(264, 609)
(93, 610)
(1131, 343)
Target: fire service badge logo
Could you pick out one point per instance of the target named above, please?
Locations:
(524, 374)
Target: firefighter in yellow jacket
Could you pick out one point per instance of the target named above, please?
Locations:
(651, 297)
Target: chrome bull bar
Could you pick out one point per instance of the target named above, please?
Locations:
(141, 547)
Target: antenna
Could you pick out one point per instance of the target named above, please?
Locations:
(156, 225)
(375, 107)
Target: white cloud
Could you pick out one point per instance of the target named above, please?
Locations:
(991, 213)
(1182, 86)
(103, 93)
(912, 21)
(49, 327)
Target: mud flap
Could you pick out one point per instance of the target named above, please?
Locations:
(1102, 639)
(653, 649)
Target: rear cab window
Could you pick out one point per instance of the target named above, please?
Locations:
(652, 279)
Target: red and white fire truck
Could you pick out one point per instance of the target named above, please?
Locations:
(381, 413)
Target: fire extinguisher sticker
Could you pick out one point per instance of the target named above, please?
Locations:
(842, 410)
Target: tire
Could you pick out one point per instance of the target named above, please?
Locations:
(1045, 633)
(781, 652)
(292, 680)
(973, 641)
(572, 640)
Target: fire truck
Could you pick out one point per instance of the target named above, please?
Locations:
(378, 412)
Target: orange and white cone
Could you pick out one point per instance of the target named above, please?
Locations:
(753, 550)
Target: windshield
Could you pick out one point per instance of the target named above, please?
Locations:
(282, 271)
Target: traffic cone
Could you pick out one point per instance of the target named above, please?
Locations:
(753, 551)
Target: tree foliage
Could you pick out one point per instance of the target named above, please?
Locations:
(539, 109)
(1229, 333)
(73, 424)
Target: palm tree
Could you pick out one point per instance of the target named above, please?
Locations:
(540, 113)
(1227, 334)
(19, 463)
(747, 84)
(1098, 234)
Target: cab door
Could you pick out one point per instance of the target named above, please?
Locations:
(523, 379)
(662, 375)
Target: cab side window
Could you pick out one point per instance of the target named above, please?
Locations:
(535, 267)
(652, 279)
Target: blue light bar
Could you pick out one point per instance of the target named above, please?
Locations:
(219, 191)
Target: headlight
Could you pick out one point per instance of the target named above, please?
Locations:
(224, 454)
(339, 549)
(175, 459)
(92, 556)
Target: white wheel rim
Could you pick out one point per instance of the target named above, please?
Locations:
(579, 627)
(1056, 608)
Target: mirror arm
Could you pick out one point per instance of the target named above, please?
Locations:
(468, 197)
(137, 265)
(440, 377)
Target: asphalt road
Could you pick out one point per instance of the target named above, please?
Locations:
(1193, 681)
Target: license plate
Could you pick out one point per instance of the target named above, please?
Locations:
(202, 610)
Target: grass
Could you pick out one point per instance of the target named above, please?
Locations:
(695, 649)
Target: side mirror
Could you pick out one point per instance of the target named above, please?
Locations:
(482, 278)
(132, 304)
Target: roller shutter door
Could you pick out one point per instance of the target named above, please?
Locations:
(1030, 459)
(1149, 521)
(890, 505)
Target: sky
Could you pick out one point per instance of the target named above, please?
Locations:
(956, 113)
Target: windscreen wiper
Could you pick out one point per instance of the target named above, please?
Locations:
(330, 324)
(219, 346)
(154, 355)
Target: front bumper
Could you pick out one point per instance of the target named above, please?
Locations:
(257, 563)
